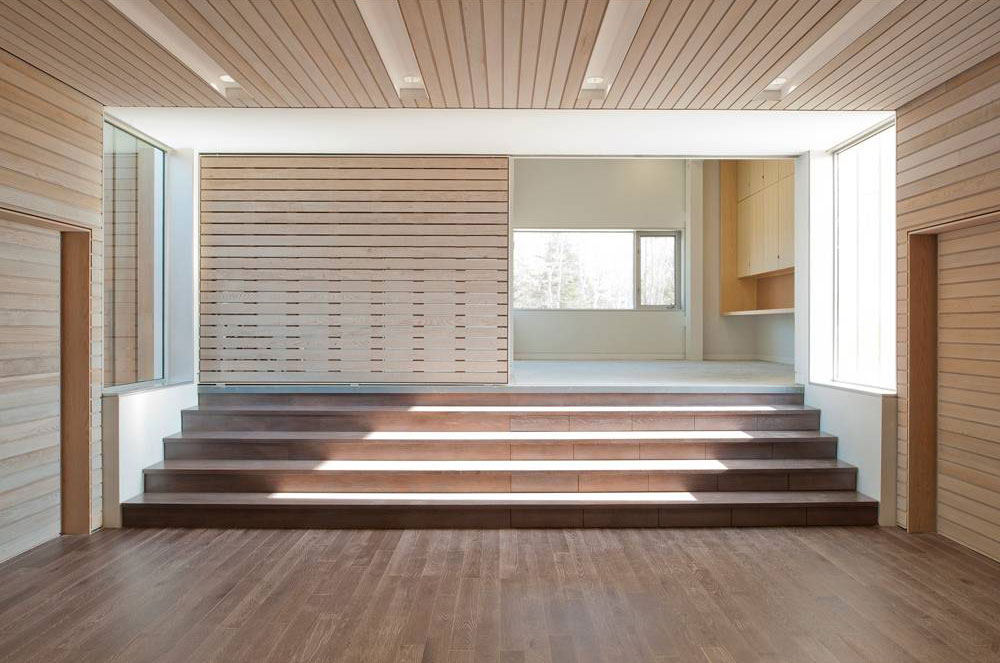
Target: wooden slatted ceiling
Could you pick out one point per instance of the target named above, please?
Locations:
(686, 54)
(915, 47)
(517, 54)
(969, 387)
(51, 154)
(948, 168)
(90, 46)
(29, 387)
(353, 269)
(308, 53)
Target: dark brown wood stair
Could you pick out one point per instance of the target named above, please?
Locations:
(499, 460)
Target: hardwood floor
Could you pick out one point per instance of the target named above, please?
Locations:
(777, 594)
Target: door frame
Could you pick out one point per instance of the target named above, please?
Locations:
(921, 368)
(75, 343)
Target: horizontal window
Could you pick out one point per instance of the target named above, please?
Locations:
(596, 270)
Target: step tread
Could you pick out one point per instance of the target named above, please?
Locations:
(499, 409)
(502, 436)
(721, 499)
(673, 466)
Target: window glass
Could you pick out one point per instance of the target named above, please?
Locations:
(865, 262)
(657, 270)
(573, 270)
(133, 258)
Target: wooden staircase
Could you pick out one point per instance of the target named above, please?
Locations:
(499, 459)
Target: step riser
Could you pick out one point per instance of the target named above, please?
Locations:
(324, 517)
(549, 450)
(496, 482)
(499, 399)
(198, 420)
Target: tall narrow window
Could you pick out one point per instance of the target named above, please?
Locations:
(865, 262)
(133, 258)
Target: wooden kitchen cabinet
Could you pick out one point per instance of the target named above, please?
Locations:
(757, 239)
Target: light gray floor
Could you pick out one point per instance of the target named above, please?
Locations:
(651, 373)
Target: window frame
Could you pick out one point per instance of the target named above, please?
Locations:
(159, 251)
(835, 374)
(637, 304)
(637, 234)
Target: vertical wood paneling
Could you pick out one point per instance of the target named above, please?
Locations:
(29, 387)
(968, 425)
(948, 168)
(51, 150)
(353, 269)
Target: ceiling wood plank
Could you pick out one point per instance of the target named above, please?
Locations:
(568, 33)
(590, 24)
(513, 10)
(454, 26)
(531, 32)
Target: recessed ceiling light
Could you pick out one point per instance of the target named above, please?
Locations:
(412, 79)
(594, 80)
(226, 78)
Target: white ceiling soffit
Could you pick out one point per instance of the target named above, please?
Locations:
(861, 18)
(618, 28)
(388, 31)
(510, 132)
(151, 20)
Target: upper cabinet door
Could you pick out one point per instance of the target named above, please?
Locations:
(786, 222)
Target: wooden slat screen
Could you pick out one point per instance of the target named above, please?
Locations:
(947, 168)
(969, 387)
(353, 269)
(29, 387)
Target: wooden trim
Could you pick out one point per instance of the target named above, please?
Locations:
(75, 382)
(921, 302)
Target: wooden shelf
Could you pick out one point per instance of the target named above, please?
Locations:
(763, 311)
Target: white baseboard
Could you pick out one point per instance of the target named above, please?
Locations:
(547, 356)
(770, 358)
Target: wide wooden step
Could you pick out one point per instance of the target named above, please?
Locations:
(500, 510)
(500, 418)
(230, 396)
(497, 445)
(499, 476)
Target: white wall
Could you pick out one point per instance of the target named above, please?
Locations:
(135, 423)
(734, 337)
(641, 194)
(865, 423)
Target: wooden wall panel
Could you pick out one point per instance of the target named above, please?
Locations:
(948, 168)
(353, 269)
(51, 151)
(29, 387)
(968, 426)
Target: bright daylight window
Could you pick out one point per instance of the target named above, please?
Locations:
(865, 262)
(596, 269)
(133, 258)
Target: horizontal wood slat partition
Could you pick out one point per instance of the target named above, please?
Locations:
(353, 269)
(947, 168)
